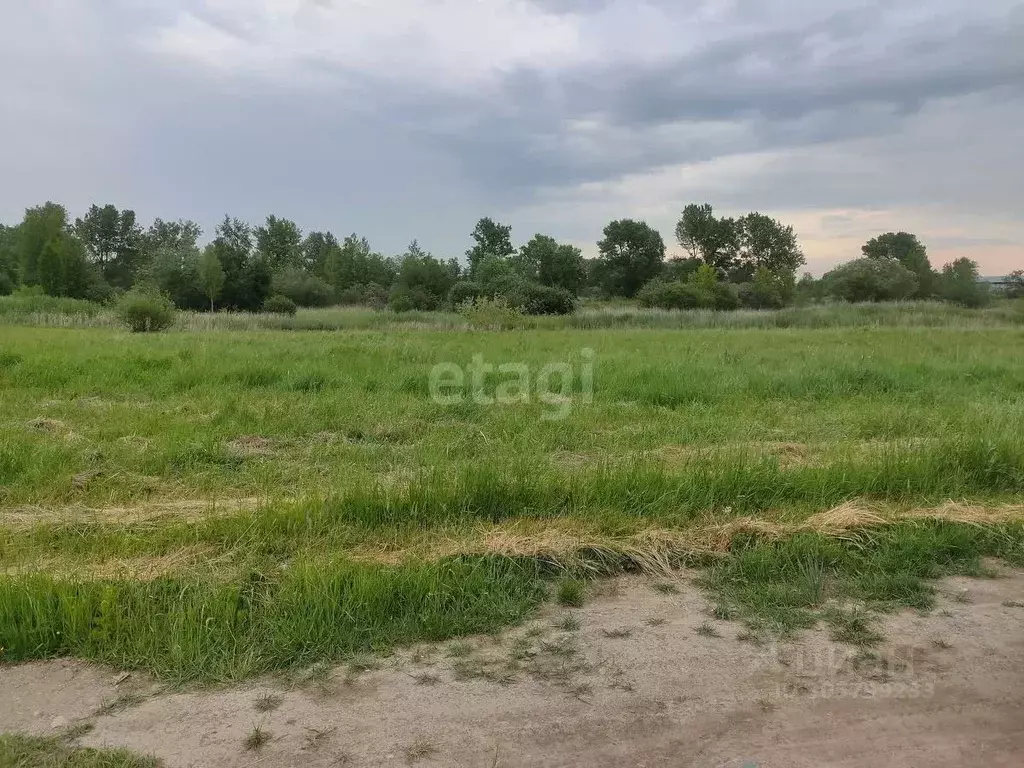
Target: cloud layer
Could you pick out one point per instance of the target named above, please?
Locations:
(412, 118)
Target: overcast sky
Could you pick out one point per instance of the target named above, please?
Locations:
(413, 118)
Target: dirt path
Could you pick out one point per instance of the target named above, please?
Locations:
(635, 685)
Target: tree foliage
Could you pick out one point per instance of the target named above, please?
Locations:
(632, 253)
(489, 237)
(210, 275)
(550, 263)
(870, 279)
(907, 250)
(961, 284)
(113, 241)
(279, 243)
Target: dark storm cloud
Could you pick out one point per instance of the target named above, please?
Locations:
(852, 105)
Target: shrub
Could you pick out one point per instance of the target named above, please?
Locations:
(304, 289)
(462, 292)
(280, 305)
(537, 299)
(870, 280)
(766, 291)
(405, 299)
(1015, 284)
(145, 311)
(675, 295)
(490, 313)
(961, 284)
(688, 295)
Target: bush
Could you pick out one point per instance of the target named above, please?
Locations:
(405, 299)
(280, 305)
(688, 295)
(463, 292)
(537, 299)
(870, 280)
(145, 311)
(658, 294)
(1015, 284)
(960, 283)
(490, 313)
(304, 289)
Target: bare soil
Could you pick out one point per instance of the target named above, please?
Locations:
(642, 688)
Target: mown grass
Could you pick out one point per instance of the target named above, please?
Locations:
(355, 513)
(225, 415)
(18, 751)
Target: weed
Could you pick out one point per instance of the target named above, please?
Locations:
(852, 627)
(1013, 604)
(568, 623)
(572, 593)
(617, 633)
(121, 703)
(257, 739)
(706, 629)
(655, 621)
(419, 750)
(665, 587)
(426, 678)
(459, 650)
(267, 702)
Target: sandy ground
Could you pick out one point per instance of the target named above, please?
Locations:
(643, 689)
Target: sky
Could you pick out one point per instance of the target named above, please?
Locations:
(402, 119)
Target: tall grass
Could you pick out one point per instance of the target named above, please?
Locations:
(187, 629)
(48, 311)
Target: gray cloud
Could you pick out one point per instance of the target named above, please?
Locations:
(205, 107)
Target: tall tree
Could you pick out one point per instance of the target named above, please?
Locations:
(113, 241)
(8, 259)
(316, 250)
(908, 251)
(714, 241)
(960, 283)
(489, 237)
(63, 268)
(182, 235)
(632, 253)
(41, 225)
(279, 241)
(550, 263)
(246, 275)
(210, 274)
(767, 244)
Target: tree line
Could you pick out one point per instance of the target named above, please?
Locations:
(749, 261)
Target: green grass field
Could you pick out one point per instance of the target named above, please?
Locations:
(212, 504)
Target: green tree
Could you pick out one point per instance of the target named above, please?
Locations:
(550, 263)
(960, 283)
(316, 251)
(210, 274)
(714, 241)
(870, 280)
(906, 249)
(182, 235)
(279, 241)
(632, 253)
(63, 269)
(8, 259)
(489, 237)
(39, 226)
(247, 274)
(1015, 284)
(113, 241)
(767, 244)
